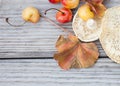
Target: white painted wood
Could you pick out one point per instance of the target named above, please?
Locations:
(40, 72)
(38, 39)
(31, 40)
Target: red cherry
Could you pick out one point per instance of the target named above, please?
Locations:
(64, 16)
(54, 1)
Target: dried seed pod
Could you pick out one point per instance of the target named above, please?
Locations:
(81, 24)
(83, 31)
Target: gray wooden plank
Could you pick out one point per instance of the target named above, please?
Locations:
(39, 72)
(34, 51)
(33, 39)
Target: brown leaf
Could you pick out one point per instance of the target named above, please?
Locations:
(97, 7)
(74, 54)
(94, 1)
(97, 1)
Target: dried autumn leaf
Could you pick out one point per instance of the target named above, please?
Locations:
(97, 7)
(74, 54)
(99, 10)
(95, 1)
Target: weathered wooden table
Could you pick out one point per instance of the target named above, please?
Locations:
(26, 52)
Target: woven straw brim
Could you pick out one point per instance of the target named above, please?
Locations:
(110, 35)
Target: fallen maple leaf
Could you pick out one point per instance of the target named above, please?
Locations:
(97, 7)
(74, 54)
(95, 1)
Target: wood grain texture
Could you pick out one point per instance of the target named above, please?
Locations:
(31, 40)
(37, 40)
(40, 72)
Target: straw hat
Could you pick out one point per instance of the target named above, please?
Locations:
(110, 36)
(83, 31)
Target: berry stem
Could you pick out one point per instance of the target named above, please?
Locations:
(46, 18)
(53, 9)
(52, 22)
(7, 21)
